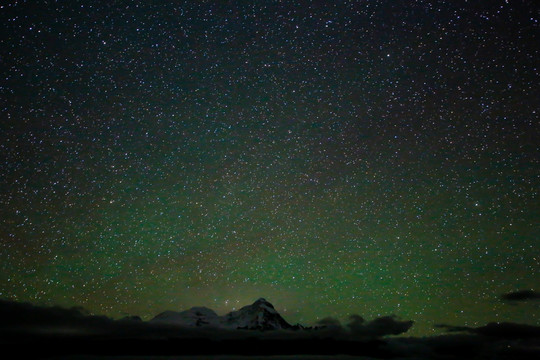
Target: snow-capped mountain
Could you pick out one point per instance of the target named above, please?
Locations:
(194, 317)
(260, 315)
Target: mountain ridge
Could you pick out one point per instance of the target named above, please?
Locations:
(261, 315)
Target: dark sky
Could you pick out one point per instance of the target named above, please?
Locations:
(335, 157)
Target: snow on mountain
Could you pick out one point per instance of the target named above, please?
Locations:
(260, 315)
(194, 317)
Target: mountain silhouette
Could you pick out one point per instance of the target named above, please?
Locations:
(261, 315)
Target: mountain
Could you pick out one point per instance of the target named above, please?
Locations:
(261, 315)
(134, 318)
(194, 317)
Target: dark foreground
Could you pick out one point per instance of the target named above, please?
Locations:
(47, 347)
(440, 347)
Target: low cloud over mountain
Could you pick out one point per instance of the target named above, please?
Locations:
(386, 325)
(501, 330)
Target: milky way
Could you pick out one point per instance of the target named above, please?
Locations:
(335, 157)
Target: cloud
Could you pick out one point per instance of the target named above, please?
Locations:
(508, 330)
(386, 325)
(521, 295)
(453, 328)
(329, 322)
(29, 318)
(24, 319)
(505, 330)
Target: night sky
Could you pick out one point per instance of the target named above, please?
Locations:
(334, 157)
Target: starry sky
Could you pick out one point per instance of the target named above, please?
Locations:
(335, 157)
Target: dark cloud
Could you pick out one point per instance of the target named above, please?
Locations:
(29, 318)
(386, 325)
(329, 322)
(358, 327)
(521, 295)
(24, 319)
(506, 330)
(453, 328)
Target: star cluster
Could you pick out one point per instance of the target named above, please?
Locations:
(336, 157)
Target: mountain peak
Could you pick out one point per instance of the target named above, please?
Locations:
(264, 305)
(262, 301)
(260, 315)
(196, 316)
(201, 311)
